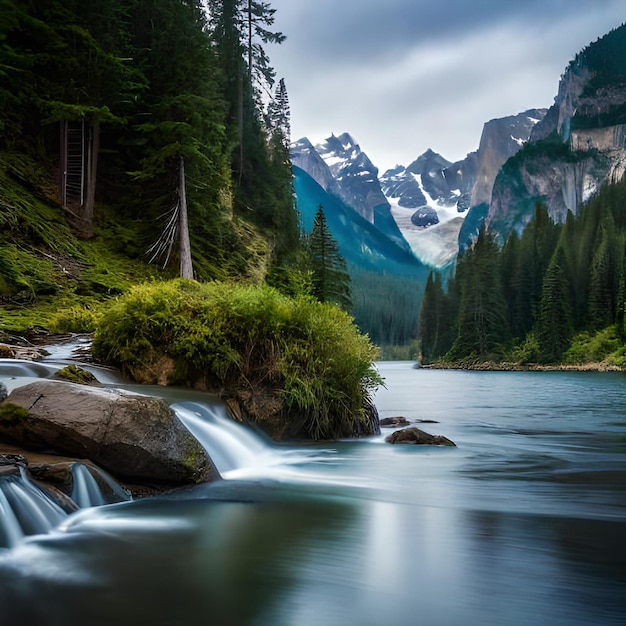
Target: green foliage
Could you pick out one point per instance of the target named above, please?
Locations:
(153, 75)
(74, 319)
(528, 352)
(331, 281)
(559, 282)
(436, 321)
(247, 341)
(554, 325)
(481, 324)
(594, 348)
(386, 306)
(76, 374)
(12, 414)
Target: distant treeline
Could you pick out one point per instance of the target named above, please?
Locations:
(386, 306)
(541, 296)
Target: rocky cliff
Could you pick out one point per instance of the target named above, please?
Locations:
(578, 146)
(500, 140)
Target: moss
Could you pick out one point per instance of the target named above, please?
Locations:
(75, 374)
(12, 413)
(298, 366)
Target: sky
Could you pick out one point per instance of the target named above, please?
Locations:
(402, 76)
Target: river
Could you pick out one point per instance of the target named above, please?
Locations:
(523, 523)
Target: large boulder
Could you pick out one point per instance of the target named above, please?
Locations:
(132, 436)
(414, 435)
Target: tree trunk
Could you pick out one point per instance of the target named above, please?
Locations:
(186, 266)
(87, 212)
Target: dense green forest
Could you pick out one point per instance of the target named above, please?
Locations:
(150, 139)
(554, 294)
(127, 126)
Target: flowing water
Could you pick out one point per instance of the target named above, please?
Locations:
(524, 522)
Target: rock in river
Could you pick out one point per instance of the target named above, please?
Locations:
(132, 436)
(416, 436)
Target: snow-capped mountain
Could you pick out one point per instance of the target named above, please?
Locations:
(341, 168)
(428, 199)
(420, 207)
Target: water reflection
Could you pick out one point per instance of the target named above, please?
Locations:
(522, 524)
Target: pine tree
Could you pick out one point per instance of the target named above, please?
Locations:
(554, 327)
(434, 324)
(331, 281)
(482, 322)
(604, 277)
(279, 115)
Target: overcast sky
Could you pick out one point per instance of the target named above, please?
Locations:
(402, 76)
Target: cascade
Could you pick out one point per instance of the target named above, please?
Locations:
(230, 445)
(25, 510)
(89, 490)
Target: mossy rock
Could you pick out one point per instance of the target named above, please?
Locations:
(76, 374)
(12, 413)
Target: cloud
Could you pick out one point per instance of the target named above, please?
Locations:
(405, 75)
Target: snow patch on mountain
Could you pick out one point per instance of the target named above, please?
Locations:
(436, 245)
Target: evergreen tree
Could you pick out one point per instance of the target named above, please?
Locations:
(331, 281)
(554, 327)
(434, 320)
(279, 115)
(482, 321)
(604, 277)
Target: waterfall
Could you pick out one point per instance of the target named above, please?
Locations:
(85, 489)
(95, 490)
(230, 445)
(25, 510)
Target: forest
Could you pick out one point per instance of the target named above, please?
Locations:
(145, 138)
(554, 294)
(133, 115)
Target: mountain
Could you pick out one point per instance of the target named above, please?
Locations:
(500, 140)
(426, 200)
(360, 242)
(430, 180)
(578, 146)
(342, 169)
(345, 172)
(387, 280)
(420, 207)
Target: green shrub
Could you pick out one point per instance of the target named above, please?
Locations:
(306, 359)
(74, 319)
(588, 348)
(528, 352)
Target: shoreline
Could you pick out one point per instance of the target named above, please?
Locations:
(492, 366)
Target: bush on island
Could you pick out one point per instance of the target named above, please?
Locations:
(295, 366)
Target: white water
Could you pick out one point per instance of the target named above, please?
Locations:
(25, 509)
(239, 452)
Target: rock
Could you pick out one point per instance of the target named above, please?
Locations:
(27, 353)
(129, 435)
(76, 374)
(424, 217)
(390, 422)
(6, 351)
(419, 437)
(4, 392)
(13, 459)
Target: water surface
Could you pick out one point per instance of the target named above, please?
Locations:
(524, 522)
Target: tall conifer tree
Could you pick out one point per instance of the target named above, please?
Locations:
(331, 281)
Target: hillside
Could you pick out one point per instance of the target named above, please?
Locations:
(122, 158)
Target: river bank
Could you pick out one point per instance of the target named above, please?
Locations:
(493, 366)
